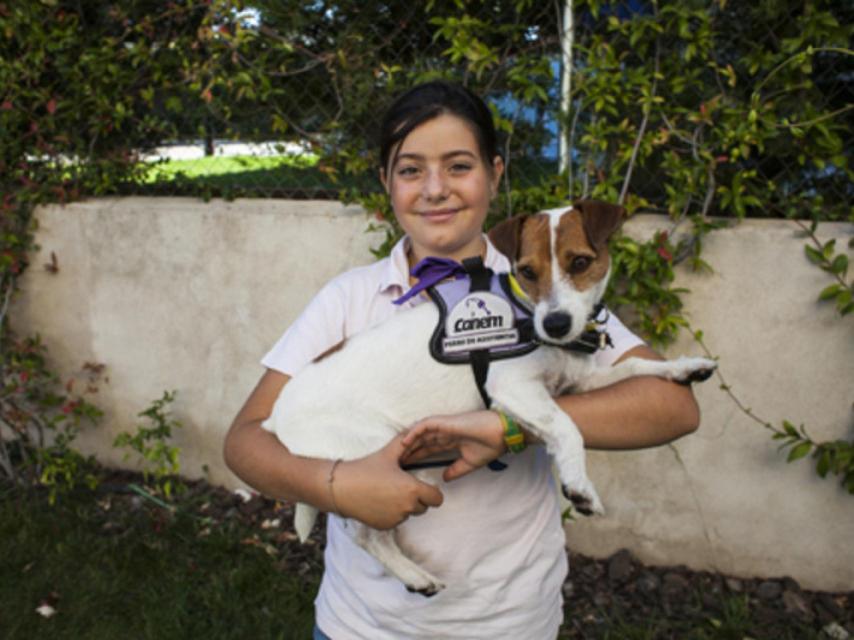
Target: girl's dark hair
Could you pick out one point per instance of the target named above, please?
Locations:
(430, 100)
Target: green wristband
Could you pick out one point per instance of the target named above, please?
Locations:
(513, 436)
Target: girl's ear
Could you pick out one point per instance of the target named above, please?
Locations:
(384, 180)
(497, 172)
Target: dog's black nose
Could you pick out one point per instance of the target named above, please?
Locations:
(557, 324)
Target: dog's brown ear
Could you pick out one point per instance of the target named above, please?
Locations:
(601, 220)
(506, 236)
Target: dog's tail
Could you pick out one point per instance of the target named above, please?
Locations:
(304, 517)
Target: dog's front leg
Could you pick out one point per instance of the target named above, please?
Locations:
(529, 402)
(383, 546)
(683, 370)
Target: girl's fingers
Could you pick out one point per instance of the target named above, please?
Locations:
(457, 470)
(429, 496)
(416, 432)
(427, 437)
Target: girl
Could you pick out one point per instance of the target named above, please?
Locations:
(497, 539)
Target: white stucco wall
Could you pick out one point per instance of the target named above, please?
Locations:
(175, 293)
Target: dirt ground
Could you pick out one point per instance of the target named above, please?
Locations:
(600, 594)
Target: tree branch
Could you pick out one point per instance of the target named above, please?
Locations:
(642, 129)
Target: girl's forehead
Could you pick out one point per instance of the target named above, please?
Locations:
(443, 131)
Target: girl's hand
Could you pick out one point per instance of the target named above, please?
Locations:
(478, 436)
(377, 492)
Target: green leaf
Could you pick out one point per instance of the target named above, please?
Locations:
(789, 428)
(829, 292)
(814, 255)
(823, 464)
(840, 265)
(799, 451)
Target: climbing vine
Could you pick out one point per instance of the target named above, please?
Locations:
(688, 109)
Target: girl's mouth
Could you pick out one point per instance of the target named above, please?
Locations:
(439, 215)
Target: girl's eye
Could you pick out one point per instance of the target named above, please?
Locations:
(579, 264)
(460, 168)
(527, 272)
(407, 171)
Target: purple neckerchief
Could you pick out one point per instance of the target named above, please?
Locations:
(431, 271)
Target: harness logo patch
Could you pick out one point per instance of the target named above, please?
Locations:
(481, 320)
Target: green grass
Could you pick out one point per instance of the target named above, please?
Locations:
(141, 574)
(222, 165)
(246, 176)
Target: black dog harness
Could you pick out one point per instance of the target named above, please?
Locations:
(485, 316)
(481, 319)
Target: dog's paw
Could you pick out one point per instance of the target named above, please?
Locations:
(428, 591)
(583, 498)
(688, 370)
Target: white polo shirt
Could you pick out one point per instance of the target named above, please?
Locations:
(497, 539)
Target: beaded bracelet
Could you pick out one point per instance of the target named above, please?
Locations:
(513, 436)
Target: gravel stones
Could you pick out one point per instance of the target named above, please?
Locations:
(621, 588)
(769, 590)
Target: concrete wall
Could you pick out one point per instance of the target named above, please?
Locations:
(180, 294)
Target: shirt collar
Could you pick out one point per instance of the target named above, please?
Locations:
(396, 274)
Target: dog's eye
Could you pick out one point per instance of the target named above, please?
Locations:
(527, 273)
(579, 264)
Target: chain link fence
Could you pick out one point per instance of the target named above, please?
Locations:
(616, 100)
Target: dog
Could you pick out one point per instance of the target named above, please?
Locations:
(560, 257)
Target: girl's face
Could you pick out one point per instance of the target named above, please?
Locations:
(440, 189)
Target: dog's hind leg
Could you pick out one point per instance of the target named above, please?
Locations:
(529, 402)
(383, 546)
(683, 370)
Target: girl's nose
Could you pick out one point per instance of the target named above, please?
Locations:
(435, 186)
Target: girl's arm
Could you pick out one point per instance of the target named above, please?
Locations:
(372, 489)
(636, 413)
(632, 414)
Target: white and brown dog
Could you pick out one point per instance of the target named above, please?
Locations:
(332, 410)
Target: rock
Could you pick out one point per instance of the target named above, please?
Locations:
(620, 566)
(675, 585)
(648, 583)
(769, 590)
(834, 631)
(790, 584)
(831, 605)
(795, 604)
(592, 571)
(768, 616)
(601, 600)
(824, 615)
(568, 589)
(735, 585)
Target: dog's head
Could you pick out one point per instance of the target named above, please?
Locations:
(560, 258)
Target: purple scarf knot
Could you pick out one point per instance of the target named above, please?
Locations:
(431, 271)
